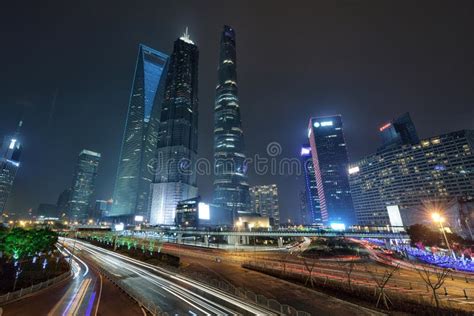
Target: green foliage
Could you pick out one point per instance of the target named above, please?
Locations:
(20, 242)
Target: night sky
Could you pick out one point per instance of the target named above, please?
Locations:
(68, 65)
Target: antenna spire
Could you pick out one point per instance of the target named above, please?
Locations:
(186, 37)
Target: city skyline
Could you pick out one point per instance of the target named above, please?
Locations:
(398, 98)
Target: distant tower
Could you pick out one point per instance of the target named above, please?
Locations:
(175, 178)
(330, 161)
(264, 201)
(10, 153)
(62, 205)
(397, 132)
(136, 164)
(83, 185)
(231, 190)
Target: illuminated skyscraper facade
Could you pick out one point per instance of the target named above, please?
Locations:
(83, 185)
(330, 160)
(135, 169)
(231, 190)
(413, 177)
(312, 209)
(9, 163)
(264, 201)
(175, 178)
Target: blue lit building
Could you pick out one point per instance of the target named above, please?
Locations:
(312, 209)
(136, 165)
(10, 153)
(330, 160)
(175, 178)
(231, 189)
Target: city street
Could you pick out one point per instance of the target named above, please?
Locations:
(170, 292)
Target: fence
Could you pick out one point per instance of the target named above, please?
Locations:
(273, 305)
(458, 298)
(13, 296)
(152, 308)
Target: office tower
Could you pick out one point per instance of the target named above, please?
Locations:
(175, 178)
(329, 154)
(101, 209)
(431, 172)
(187, 212)
(264, 201)
(231, 190)
(136, 165)
(304, 214)
(62, 205)
(46, 210)
(400, 131)
(10, 153)
(313, 209)
(83, 185)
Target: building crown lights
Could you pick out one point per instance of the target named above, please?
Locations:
(186, 37)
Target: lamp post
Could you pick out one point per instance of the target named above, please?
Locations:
(439, 219)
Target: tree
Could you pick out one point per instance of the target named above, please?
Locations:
(348, 269)
(17, 243)
(423, 234)
(309, 268)
(434, 278)
(381, 283)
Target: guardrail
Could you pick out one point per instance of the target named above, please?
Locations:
(152, 308)
(13, 296)
(273, 305)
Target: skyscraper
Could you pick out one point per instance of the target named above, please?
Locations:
(9, 163)
(330, 160)
(400, 131)
(432, 172)
(264, 201)
(313, 209)
(175, 178)
(231, 190)
(83, 185)
(136, 164)
(62, 205)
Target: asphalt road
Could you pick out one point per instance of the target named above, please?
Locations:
(173, 293)
(77, 296)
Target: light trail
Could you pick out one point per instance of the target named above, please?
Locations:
(176, 284)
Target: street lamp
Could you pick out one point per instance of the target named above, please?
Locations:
(439, 219)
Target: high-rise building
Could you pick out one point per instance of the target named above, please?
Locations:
(175, 178)
(264, 201)
(412, 177)
(83, 185)
(313, 208)
(47, 210)
(101, 209)
(62, 205)
(136, 165)
(9, 163)
(400, 131)
(330, 160)
(231, 190)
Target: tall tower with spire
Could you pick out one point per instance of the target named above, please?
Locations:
(231, 190)
(10, 152)
(175, 177)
